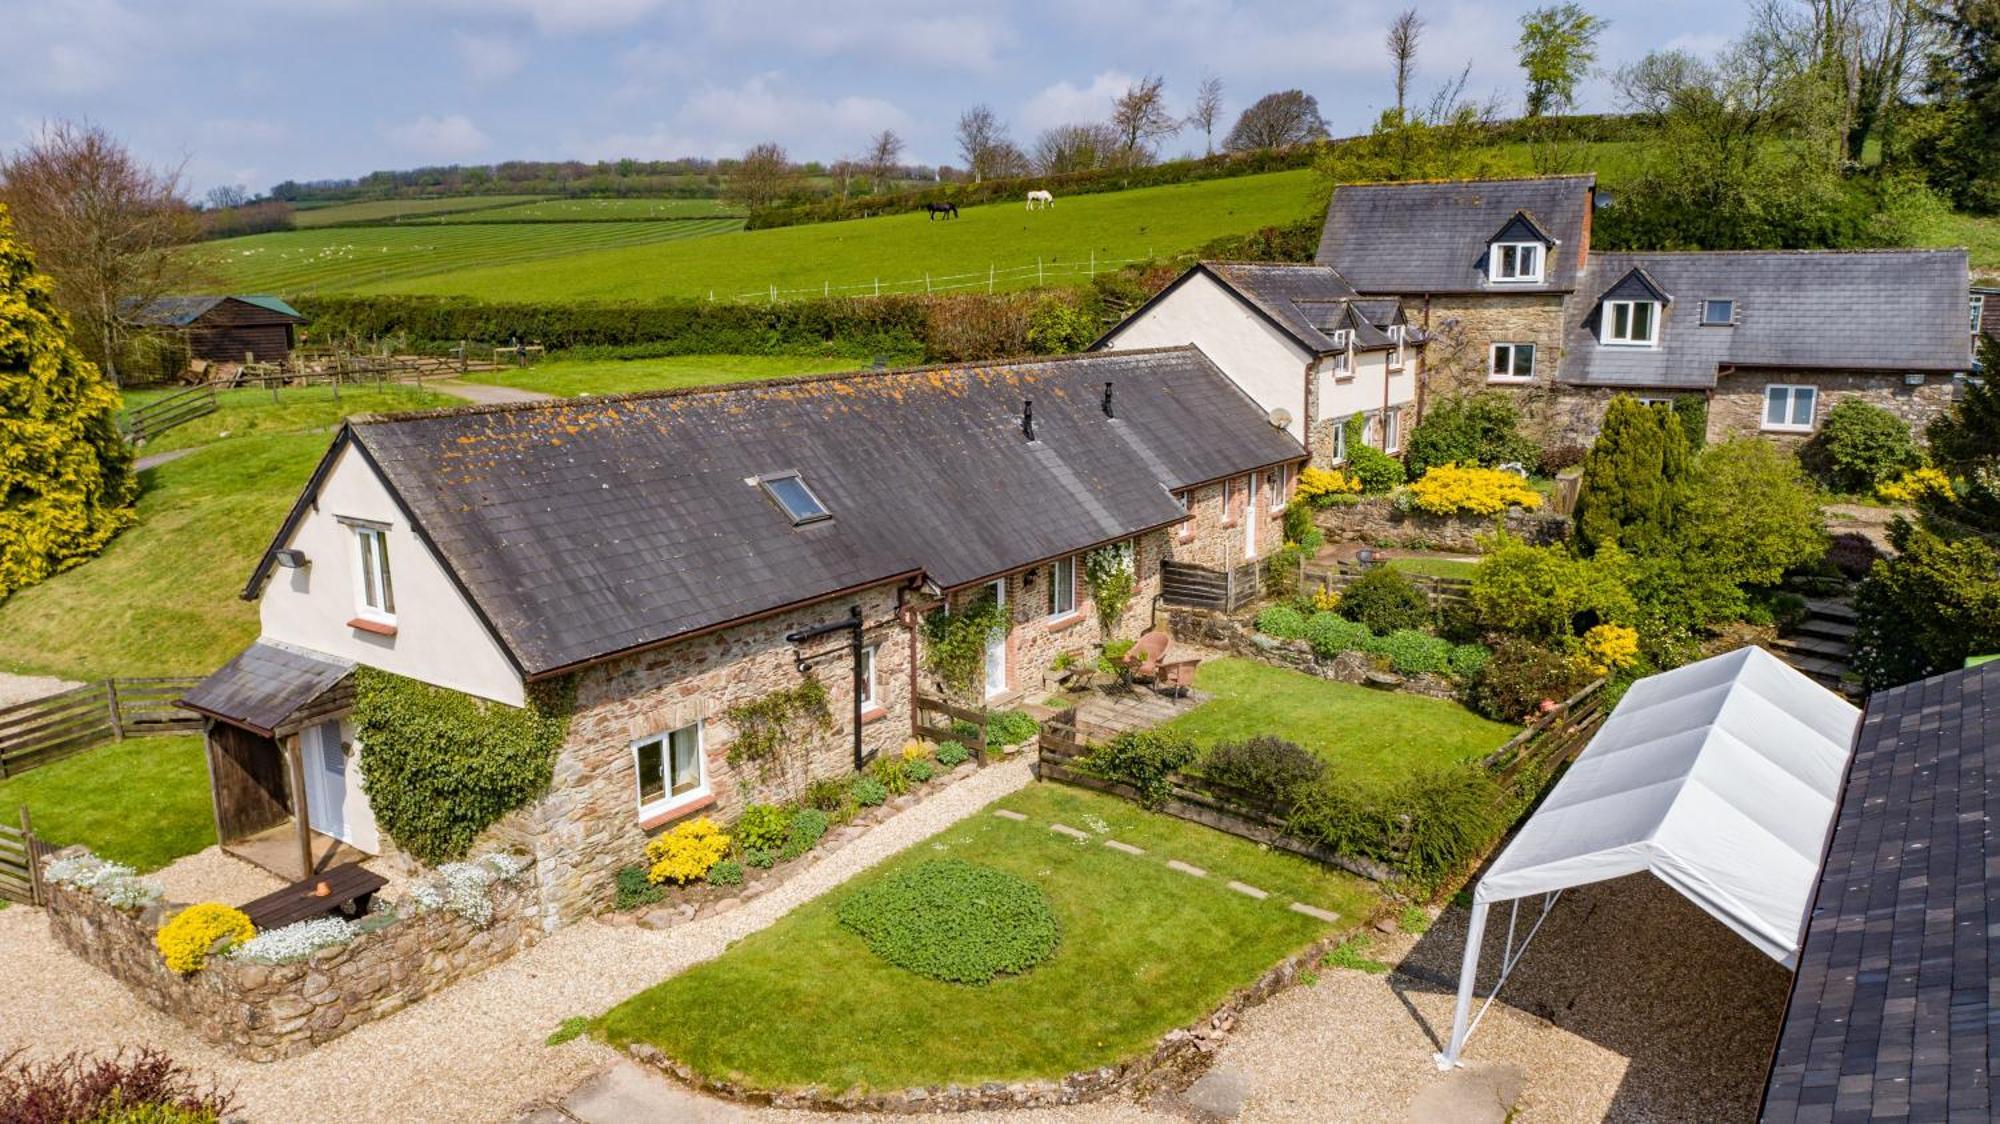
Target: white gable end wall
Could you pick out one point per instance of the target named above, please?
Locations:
(1256, 356)
(439, 638)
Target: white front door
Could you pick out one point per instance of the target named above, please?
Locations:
(996, 648)
(1250, 514)
(335, 802)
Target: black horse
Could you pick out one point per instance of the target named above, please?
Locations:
(948, 210)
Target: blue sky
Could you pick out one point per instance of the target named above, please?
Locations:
(250, 92)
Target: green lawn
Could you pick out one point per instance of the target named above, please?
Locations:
(1368, 734)
(637, 261)
(567, 377)
(392, 210)
(162, 598)
(1979, 234)
(143, 801)
(598, 210)
(247, 413)
(1435, 567)
(1144, 950)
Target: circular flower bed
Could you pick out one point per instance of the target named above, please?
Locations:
(955, 921)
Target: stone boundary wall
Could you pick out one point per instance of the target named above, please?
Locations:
(1375, 520)
(1174, 1062)
(264, 1012)
(1216, 630)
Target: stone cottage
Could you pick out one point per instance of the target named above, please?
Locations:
(675, 555)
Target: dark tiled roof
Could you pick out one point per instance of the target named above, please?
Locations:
(1521, 228)
(1308, 302)
(1890, 310)
(585, 527)
(179, 312)
(265, 684)
(1891, 1014)
(1636, 285)
(1432, 237)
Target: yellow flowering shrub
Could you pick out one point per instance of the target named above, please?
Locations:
(919, 751)
(685, 853)
(185, 939)
(1611, 646)
(1449, 489)
(1317, 486)
(1915, 485)
(1326, 600)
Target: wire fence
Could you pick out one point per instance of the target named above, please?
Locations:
(991, 279)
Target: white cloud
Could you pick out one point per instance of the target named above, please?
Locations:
(488, 58)
(1064, 103)
(454, 137)
(718, 120)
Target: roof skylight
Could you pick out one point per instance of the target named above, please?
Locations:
(789, 491)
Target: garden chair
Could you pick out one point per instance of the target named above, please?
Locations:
(1143, 661)
(1176, 679)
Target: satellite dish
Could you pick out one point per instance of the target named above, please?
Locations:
(1281, 418)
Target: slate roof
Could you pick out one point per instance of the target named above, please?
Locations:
(265, 684)
(1306, 302)
(1891, 1013)
(1432, 237)
(179, 312)
(1888, 310)
(581, 528)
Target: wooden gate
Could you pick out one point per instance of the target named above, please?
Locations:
(20, 863)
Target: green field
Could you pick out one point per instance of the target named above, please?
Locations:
(645, 260)
(142, 801)
(569, 377)
(1979, 234)
(390, 210)
(599, 210)
(247, 412)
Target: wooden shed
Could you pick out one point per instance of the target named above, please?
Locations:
(225, 329)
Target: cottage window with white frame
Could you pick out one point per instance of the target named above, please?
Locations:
(1517, 263)
(1512, 362)
(1281, 487)
(1390, 437)
(1789, 409)
(1632, 323)
(1062, 587)
(868, 695)
(1343, 359)
(1187, 505)
(1398, 333)
(670, 769)
(1978, 311)
(1340, 440)
(374, 590)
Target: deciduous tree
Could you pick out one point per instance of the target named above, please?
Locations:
(1278, 120)
(1406, 32)
(1558, 44)
(884, 150)
(1141, 118)
(982, 141)
(763, 177)
(1207, 111)
(1074, 148)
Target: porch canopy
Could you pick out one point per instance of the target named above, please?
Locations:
(266, 686)
(1719, 778)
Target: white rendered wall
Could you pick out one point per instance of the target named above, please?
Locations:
(1256, 356)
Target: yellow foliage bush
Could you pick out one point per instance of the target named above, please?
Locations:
(1326, 600)
(1915, 485)
(1611, 646)
(1317, 485)
(685, 853)
(919, 751)
(1449, 489)
(185, 939)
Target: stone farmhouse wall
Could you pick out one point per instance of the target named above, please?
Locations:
(1325, 433)
(1463, 331)
(1737, 407)
(264, 1012)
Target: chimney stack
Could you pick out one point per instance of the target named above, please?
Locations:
(1107, 401)
(1028, 418)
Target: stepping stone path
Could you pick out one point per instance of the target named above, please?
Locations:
(1314, 911)
(1184, 868)
(1125, 847)
(1249, 891)
(1065, 829)
(1006, 814)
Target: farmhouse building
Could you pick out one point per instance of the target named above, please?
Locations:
(659, 553)
(225, 329)
(1500, 278)
(1300, 341)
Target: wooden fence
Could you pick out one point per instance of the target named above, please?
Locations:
(49, 729)
(20, 862)
(154, 418)
(1552, 740)
(1314, 578)
(935, 717)
(1569, 485)
(1185, 585)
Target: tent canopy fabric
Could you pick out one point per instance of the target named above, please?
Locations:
(1720, 778)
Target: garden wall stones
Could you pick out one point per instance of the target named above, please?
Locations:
(1375, 520)
(264, 1012)
(1216, 630)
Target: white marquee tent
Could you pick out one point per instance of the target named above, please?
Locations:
(1720, 778)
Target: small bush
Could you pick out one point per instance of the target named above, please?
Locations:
(1480, 430)
(808, 828)
(1413, 653)
(81, 1089)
(1427, 825)
(1451, 489)
(685, 853)
(1110, 661)
(187, 938)
(1377, 471)
(1611, 647)
(635, 889)
(760, 858)
(1522, 675)
(921, 770)
(951, 754)
(1853, 554)
(1914, 486)
(965, 731)
(1331, 634)
(1265, 764)
(1385, 600)
(1555, 458)
(763, 825)
(1320, 487)
(1859, 446)
(1010, 727)
(869, 792)
(892, 773)
(728, 872)
(1283, 622)
(954, 921)
(1467, 660)
(1144, 759)
(825, 794)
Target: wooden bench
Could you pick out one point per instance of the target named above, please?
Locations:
(349, 890)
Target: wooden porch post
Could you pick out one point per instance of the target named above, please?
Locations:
(301, 814)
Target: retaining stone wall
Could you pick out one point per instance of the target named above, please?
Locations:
(1216, 630)
(1375, 520)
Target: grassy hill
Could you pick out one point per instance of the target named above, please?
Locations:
(395, 210)
(598, 210)
(650, 260)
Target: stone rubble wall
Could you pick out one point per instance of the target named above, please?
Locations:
(1375, 520)
(265, 1012)
(1216, 630)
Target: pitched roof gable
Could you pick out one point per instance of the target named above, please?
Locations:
(1522, 228)
(1305, 302)
(1636, 285)
(1433, 237)
(180, 312)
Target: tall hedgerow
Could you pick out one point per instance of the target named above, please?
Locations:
(66, 483)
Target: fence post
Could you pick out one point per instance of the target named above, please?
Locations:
(111, 702)
(34, 860)
(464, 358)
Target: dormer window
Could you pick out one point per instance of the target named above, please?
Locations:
(788, 490)
(1718, 313)
(1343, 359)
(1632, 323)
(1400, 334)
(1517, 263)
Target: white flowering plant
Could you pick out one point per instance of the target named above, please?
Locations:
(465, 888)
(295, 941)
(114, 884)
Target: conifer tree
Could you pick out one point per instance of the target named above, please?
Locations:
(66, 484)
(1633, 478)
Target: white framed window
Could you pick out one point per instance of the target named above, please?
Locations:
(670, 769)
(868, 695)
(1281, 487)
(1517, 263)
(1062, 587)
(1391, 438)
(1187, 505)
(1340, 440)
(1398, 333)
(1343, 360)
(1511, 362)
(1978, 311)
(1632, 323)
(374, 590)
(1789, 409)
(1718, 312)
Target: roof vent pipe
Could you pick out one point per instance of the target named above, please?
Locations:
(1107, 401)
(1028, 418)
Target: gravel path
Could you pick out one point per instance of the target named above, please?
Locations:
(25, 688)
(471, 1053)
(486, 394)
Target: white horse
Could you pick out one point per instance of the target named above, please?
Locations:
(1038, 199)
